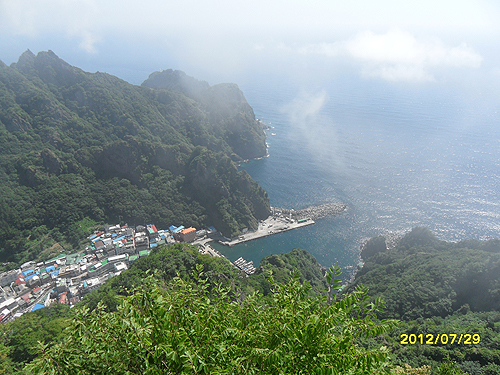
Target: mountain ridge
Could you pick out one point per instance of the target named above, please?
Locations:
(104, 149)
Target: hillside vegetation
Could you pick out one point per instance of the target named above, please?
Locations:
(180, 328)
(424, 277)
(436, 287)
(237, 324)
(79, 148)
(167, 262)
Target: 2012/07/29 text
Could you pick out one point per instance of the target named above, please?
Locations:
(440, 339)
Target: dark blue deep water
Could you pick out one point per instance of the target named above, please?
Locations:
(400, 156)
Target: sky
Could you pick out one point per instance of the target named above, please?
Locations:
(404, 42)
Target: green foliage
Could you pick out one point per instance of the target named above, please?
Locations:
(470, 358)
(281, 264)
(19, 339)
(374, 246)
(424, 277)
(78, 147)
(167, 262)
(180, 328)
(448, 368)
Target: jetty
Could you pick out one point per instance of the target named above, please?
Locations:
(283, 219)
(272, 225)
(313, 212)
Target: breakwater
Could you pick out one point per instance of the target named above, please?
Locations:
(313, 212)
(283, 219)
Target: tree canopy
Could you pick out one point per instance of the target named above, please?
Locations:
(177, 328)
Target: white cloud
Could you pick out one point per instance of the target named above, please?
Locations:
(400, 47)
(236, 36)
(80, 19)
(397, 55)
(88, 41)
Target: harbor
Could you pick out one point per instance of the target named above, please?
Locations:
(283, 220)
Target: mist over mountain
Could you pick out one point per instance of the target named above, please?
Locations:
(228, 111)
(89, 146)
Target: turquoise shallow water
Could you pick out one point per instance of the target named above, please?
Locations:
(399, 156)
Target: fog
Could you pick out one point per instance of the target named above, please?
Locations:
(232, 41)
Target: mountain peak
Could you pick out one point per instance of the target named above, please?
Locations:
(50, 58)
(27, 55)
(48, 67)
(26, 60)
(176, 80)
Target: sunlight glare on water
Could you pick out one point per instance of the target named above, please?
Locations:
(398, 157)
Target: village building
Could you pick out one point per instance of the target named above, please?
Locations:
(188, 235)
(10, 304)
(27, 265)
(6, 278)
(90, 285)
(67, 277)
(141, 242)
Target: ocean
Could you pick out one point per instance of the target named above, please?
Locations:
(398, 155)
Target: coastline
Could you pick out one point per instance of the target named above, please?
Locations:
(283, 220)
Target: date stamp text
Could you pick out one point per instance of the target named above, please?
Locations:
(440, 339)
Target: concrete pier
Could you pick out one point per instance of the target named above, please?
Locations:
(271, 225)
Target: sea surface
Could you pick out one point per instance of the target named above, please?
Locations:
(399, 156)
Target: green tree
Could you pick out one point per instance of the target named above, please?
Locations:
(178, 329)
(19, 338)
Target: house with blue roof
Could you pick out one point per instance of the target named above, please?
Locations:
(38, 306)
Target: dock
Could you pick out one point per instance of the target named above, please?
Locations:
(245, 266)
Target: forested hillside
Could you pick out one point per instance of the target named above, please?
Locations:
(438, 289)
(78, 148)
(424, 277)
